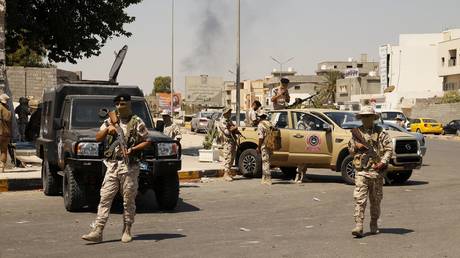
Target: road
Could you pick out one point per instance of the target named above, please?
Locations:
(246, 219)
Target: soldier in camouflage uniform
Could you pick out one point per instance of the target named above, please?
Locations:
(170, 128)
(23, 112)
(262, 132)
(369, 177)
(119, 175)
(227, 129)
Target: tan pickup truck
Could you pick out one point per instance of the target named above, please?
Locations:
(319, 138)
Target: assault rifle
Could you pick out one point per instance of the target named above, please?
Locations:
(299, 101)
(120, 136)
(235, 134)
(370, 157)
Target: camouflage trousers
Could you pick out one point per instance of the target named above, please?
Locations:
(229, 149)
(367, 187)
(301, 171)
(118, 177)
(266, 156)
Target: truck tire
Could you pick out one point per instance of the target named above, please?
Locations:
(289, 172)
(73, 191)
(250, 163)
(348, 170)
(51, 181)
(399, 177)
(166, 190)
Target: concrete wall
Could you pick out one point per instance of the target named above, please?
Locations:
(444, 113)
(445, 68)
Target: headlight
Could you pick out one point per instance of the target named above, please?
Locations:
(167, 149)
(88, 149)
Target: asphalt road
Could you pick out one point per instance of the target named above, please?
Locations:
(246, 219)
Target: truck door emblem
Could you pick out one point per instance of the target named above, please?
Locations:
(313, 142)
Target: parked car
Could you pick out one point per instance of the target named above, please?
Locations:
(426, 125)
(200, 121)
(389, 116)
(453, 127)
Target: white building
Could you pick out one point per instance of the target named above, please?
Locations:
(412, 67)
(448, 58)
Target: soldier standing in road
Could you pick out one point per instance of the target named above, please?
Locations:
(119, 175)
(251, 117)
(263, 129)
(170, 129)
(23, 112)
(5, 130)
(280, 95)
(227, 129)
(369, 178)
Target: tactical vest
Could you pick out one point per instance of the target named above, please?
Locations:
(358, 158)
(131, 139)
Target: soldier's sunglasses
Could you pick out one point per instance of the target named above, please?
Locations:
(120, 103)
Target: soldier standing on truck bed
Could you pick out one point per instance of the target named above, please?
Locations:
(280, 95)
(371, 147)
(122, 168)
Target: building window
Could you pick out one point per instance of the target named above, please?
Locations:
(335, 66)
(297, 87)
(453, 57)
(450, 86)
(360, 65)
(349, 66)
(443, 61)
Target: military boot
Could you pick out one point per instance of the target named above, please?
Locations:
(126, 237)
(95, 235)
(358, 230)
(266, 180)
(228, 177)
(2, 166)
(374, 226)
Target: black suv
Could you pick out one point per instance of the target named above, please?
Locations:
(72, 159)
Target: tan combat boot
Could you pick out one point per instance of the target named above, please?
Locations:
(95, 235)
(2, 167)
(227, 177)
(358, 230)
(266, 180)
(126, 237)
(374, 226)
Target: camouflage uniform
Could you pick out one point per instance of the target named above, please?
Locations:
(173, 130)
(262, 132)
(23, 112)
(369, 182)
(229, 146)
(120, 176)
(301, 171)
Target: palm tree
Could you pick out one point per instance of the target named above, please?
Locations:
(330, 90)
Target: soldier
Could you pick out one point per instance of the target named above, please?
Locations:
(251, 117)
(263, 129)
(5, 130)
(228, 129)
(280, 95)
(23, 112)
(400, 121)
(170, 129)
(370, 138)
(119, 175)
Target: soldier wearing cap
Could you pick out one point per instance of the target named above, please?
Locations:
(280, 95)
(5, 129)
(227, 131)
(400, 121)
(369, 179)
(170, 128)
(120, 176)
(263, 128)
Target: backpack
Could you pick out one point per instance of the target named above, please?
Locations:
(273, 139)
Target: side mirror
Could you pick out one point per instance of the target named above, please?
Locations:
(58, 124)
(327, 127)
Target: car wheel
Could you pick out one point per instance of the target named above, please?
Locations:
(348, 170)
(250, 163)
(166, 190)
(51, 181)
(74, 195)
(399, 177)
(289, 172)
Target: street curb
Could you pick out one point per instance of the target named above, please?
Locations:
(443, 137)
(21, 184)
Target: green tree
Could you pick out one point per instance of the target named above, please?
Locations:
(65, 30)
(161, 84)
(24, 56)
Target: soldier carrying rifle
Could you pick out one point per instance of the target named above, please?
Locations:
(229, 132)
(372, 149)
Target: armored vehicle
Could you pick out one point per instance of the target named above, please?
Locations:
(319, 138)
(72, 159)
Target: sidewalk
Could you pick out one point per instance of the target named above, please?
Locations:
(447, 137)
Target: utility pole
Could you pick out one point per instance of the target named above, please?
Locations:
(172, 59)
(281, 65)
(237, 81)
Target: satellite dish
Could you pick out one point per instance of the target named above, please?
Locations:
(389, 89)
(117, 64)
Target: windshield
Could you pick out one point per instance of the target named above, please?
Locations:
(85, 112)
(391, 115)
(206, 114)
(341, 118)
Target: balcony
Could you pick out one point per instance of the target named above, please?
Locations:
(452, 62)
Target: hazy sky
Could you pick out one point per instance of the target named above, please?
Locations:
(310, 31)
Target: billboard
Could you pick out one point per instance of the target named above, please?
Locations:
(164, 101)
(204, 90)
(383, 54)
